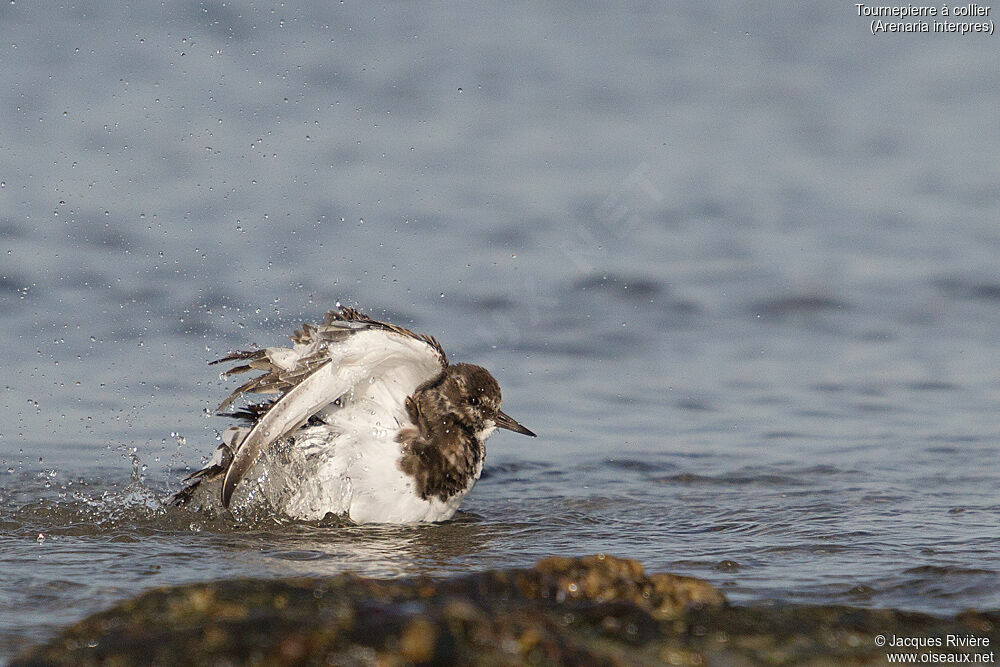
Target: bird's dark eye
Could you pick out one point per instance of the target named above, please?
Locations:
(474, 400)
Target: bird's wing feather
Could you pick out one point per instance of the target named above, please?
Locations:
(313, 345)
(325, 363)
(288, 413)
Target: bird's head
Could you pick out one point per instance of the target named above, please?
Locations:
(473, 395)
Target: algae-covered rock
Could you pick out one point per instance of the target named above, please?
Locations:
(590, 610)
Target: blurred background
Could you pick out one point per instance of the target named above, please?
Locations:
(736, 266)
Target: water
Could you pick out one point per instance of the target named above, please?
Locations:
(736, 267)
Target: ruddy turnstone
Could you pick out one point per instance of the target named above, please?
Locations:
(370, 421)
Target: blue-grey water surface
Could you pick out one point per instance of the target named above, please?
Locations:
(736, 265)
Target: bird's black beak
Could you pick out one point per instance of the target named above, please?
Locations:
(504, 421)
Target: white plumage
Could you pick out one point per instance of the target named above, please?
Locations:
(331, 441)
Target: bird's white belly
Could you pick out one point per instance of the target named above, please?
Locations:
(321, 472)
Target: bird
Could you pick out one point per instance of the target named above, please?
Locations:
(365, 419)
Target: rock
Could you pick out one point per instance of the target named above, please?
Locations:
(589, 610)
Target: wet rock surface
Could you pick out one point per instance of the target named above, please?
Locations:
(589, 610)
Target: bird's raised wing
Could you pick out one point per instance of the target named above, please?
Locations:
(325, 363)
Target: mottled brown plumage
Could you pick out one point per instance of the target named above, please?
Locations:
(445, 447)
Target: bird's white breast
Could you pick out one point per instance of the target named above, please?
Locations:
(353, 473)
(350, 463)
